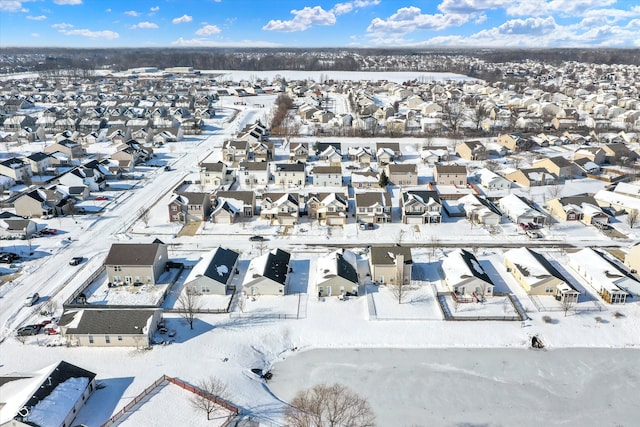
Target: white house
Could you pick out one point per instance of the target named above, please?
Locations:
(608, 280)
(337, 274)
(267, 274)
(214, 272)
(465, 277)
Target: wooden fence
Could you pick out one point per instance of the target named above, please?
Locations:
(157, 383)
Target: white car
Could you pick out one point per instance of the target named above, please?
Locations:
(32, 299)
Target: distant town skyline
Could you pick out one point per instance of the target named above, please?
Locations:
(287, 23)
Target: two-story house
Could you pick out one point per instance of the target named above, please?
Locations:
(299, 152)
(328, 208)
(132, 263)
(327, 176)
(471, 150)
(373, 207)
(421, 207)
(253, 174)
(402, 174)
(282, 208)
(450, 174)
(290, 174)
(17, 169)
(214, 175)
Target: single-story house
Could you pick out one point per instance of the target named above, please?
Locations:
(268, 274)
(337, 274)
(214, 272)
(603, 275)
(110, 327)
(464, 275)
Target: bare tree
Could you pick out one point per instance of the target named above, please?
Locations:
(211, 389)
(398, 287)
(478, 114)
(554, 191)
(145, 216)
(453, 115)
(189, 304)
(632, 217)
(329, 405)
(567, 304)
(433, 245)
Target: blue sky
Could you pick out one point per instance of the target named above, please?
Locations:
(346, 23)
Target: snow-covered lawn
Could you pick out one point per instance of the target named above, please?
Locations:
(170, 405)
(418, 303)
(492, 307)
(99, 292)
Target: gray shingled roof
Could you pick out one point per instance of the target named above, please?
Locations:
(380, 254)
(132, 254)
(112, 322)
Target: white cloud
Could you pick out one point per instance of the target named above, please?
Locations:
(145, 25)
(409, 19)
(108, 10)
(68, 2)
(36, 18)
(132, 13)
(203, 42)
(155, 8)
(35, 34)
(13, 6)
(302, 20)
(208, 30)
(471, 6)
(104, 34)
(182, 19)
(62, 26)
(550, 7)
(342, 8)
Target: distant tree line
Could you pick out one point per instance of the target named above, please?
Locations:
(16, 59)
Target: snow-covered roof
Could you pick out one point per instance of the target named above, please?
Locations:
(461, 265)
(533, 266)
(217, 265)
(619, 199)
(600, 272)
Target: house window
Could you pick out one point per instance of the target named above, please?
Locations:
(90, 339)
(174, 208)
(549, 289)
(117, 268)
(119, 338)
(107, 339)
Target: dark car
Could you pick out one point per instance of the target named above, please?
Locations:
(76, 260)
(256, 238)
(28, 330)
(8, 257)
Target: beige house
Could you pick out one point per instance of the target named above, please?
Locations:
(532, 177)
(328, 208)
(299, 152)
(581, 207)
(632, 258)
(558, 166)
(537, 276)
(283, 208)
(110, 327)
(402, 174)
(130, 263)
(72, 149)
(603, 275)
(390, 264)
(450, 174)
(373, 207)
(17, 169)
(471, 150)
(337, 274)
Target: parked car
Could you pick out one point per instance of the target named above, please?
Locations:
(256, 238)
(51, 330)
(49, 231)
(76, 260)
(8, 257)
(101, 198)
(366, 226)
(28, 330)
(32, 299)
